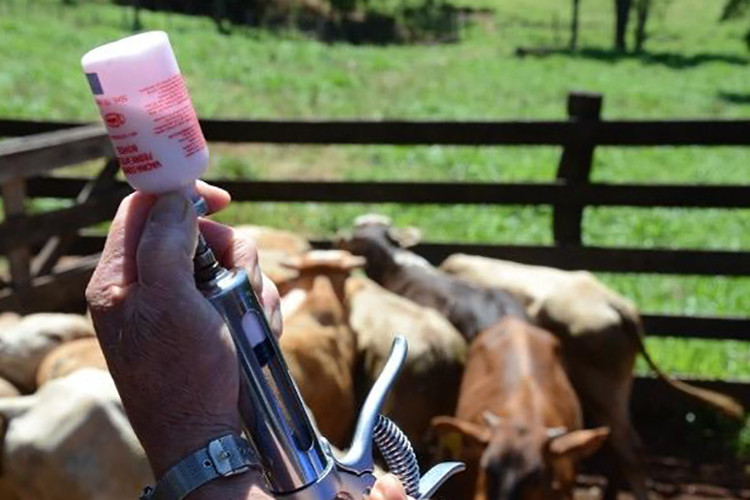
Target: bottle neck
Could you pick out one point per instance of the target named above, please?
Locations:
(206, 268)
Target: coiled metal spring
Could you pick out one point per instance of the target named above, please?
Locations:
(398, 454)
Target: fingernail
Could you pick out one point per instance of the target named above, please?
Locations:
(256, 280)
(169, 208)
(276, 322)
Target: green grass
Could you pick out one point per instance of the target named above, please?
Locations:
(692, 65)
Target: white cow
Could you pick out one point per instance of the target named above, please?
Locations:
(71, 440)
(24, 345)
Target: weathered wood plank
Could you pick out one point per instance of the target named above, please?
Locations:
(469, 133)
(58, 244)
(19, 259)
(20, 231)
(17, 128)
(33, 155)
(632, 195)
(62, 291)
(610, 133)
(625, 260)
(703, 327)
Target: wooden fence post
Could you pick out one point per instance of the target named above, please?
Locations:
(57, 245)
(575, 167)
(19, 259)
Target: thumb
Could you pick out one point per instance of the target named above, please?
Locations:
(165, 251)
(388, 487)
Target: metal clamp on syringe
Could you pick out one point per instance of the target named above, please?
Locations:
(296, 461)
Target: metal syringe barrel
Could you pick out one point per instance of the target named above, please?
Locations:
(270, 405)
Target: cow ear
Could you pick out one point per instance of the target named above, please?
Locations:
(577, 445)
(351, 262)
(341, 238)
(457, 438)
(492, 420)
(292, 262)
(406, 237)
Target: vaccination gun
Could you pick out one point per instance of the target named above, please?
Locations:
(155, 133)
(297, 462)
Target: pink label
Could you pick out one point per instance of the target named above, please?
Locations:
(173, 115)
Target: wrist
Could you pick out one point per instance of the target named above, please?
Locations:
(247, 486)
(166, 448)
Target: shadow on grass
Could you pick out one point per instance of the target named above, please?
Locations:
(431, 22)
(734, 97)
(672, 60)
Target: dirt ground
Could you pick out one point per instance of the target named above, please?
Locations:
(679, 479)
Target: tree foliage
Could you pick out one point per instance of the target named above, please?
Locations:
(734, 9)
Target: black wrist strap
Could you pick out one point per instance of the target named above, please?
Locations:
(226, 456)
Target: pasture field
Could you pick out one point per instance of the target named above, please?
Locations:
(693, 67)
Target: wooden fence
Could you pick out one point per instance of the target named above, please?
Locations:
(34, 243)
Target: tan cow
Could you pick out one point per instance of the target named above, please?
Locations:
(24, 345)
(428, 383)
(318, 344)
(69, 357)
(518, 425)
(602, 335)
(71, 441)
(275, 248)
(8, 390)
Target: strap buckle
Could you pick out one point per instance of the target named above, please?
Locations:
(220, 452)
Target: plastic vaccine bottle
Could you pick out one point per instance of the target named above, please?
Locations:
(146, 108)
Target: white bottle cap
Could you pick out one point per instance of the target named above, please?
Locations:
(147, 111)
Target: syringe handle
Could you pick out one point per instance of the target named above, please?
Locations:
(270, 404)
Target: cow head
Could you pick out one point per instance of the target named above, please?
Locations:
(382, 244)
(335, 265)
(516, 461)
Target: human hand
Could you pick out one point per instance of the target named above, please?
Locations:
(388, 487)
(168, 350)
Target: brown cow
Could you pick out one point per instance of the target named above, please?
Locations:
(601, 334)
(518, 421)
(69, 357)
(318, 344)
(469, 308)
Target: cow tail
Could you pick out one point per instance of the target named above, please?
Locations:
(721, 402)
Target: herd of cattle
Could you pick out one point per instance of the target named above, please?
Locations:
(519, 371)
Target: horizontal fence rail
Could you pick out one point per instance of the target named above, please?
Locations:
(464, 133)
(27, 156)
(697, 262)
(631, 195)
